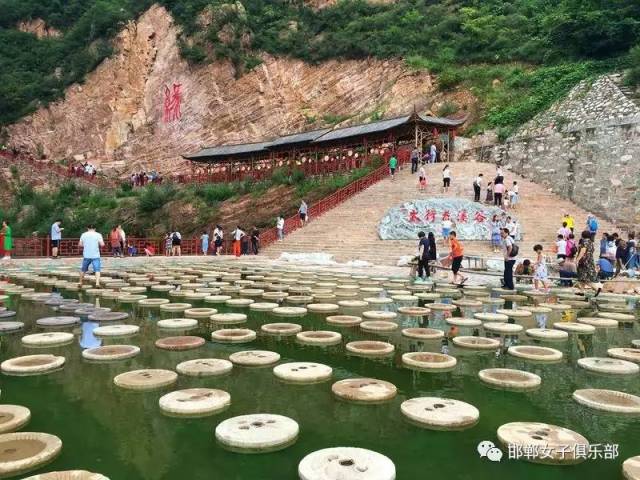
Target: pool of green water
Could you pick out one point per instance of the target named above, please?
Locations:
(123, 434)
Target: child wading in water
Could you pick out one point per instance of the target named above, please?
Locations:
(540, 274)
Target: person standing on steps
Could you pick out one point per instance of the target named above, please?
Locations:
(489, 198)
(477, 186)
(498, 190)
(446, 178)
(570, 221)
(510, 253)
(123, 240)
(592, 223)
(456, 255)
(415, 156)
(280, 227)
(90, 242)
(514, 195)
(393, 164)
(56, 237)
(176, 244)
(422, 179)
(255, 240)
(433, 153)
(302, 211)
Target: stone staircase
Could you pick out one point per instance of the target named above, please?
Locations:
(350, 231)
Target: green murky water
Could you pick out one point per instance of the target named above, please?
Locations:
(124, 436)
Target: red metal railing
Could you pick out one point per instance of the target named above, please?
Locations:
(41, 246)
(55, 168)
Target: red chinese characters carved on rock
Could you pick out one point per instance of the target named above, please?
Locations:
(172, 103)
(413, 216)
(479, 217)
(430, 215)
(463, 217)
(446, 215)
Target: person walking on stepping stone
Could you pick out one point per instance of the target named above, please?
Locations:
(510, 253)
(456, 255)
(91, 242)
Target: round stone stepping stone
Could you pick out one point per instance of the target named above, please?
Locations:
(629, 354)
(631, 468)
(32, 365)
(547, 334)
(574, 327)
(405, 298)
(352, 303)
(514, 313)
(116, 331)
(323, 307)
(108, 316)
(289, 311)
(263, 306)
(48, 339)
(378, 300)
(175, 307)
(107, 353)
(131, 299)
(319, 337)
(550, 444)
(217, 298)
(599, 322)
(184, 342)
(146, 379)
(619, 317)
(635, 343)
(52, 322)
(204, 367)
(9, 327)
(257, 433)
(612, 366)
(154, 302)
(464, 322)
(228, 318)
(539, 354)
(239, 302)
(85, 312)
(68, 475)
(414, 311)
(7, 314)
(491, 317)
(196, 313)
(178, 323)
(281, 328)
(422, 333)
(608, 400)
(194, 402)
(440, 413)
(346, 463)
(442, 307)
(344, 320)
(510, 379)
(303, 372)
(429, 361)
(22, 452)
(364, 390)
(378, 326)
(233, 335)
(476, 343)
(370, 348)
(13, 417)
(503, 328)
(379, 315)
(254, 358)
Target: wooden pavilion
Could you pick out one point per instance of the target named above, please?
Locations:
(324, 151)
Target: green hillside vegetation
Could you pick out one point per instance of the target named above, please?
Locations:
(537, 49)
(154, 210)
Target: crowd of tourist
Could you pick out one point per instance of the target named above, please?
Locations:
(85, 169)
(141, 179)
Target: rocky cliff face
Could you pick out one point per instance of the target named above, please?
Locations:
(39, 28)
(115, 118)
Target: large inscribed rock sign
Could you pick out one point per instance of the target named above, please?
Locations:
(471, 220)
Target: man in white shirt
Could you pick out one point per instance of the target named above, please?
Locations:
(509, 258)
(56, 236)
(280, 227)
(561, 247)
(90, 242)
(237, 235)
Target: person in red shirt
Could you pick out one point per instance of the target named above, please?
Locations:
(456, 255)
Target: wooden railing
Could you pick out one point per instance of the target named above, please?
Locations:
(41, 246)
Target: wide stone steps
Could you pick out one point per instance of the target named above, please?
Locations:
(350, 231)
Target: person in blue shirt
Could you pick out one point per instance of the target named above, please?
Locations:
(204, 238)
(605, 269)
(56, 236)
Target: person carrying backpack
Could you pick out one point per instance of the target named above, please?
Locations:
(592, 223)
(571, 248)
(176, 244)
